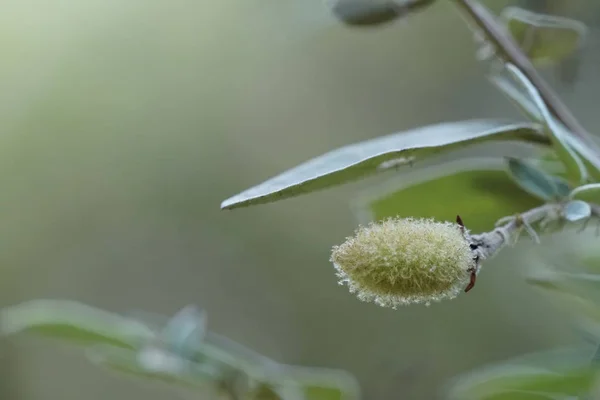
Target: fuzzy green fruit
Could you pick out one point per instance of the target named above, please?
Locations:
(403, 261)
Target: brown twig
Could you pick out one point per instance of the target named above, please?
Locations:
(508, 49)
(489, 243)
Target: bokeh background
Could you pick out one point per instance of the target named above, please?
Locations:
(126, 123)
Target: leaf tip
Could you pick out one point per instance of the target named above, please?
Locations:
(231, 203)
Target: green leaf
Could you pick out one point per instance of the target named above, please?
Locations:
(374, 13)
(517, 97)
(384, 153)
(546, 39)
(155, 364)
(523, 395)
(266, 392)
(497, 382)
(72, 321)
(576, 210)
(526, 106)
(576, 170)
(233, 354)
(186, 331)
(537, 182)
(201, 345)
(589, 193)
(363, 13)
(577, 293)
(567, 292)
(479, 190)
(581, 284)
(320, 393)
(555, 359)
(585, 281)
(158, 364)
(549, 163)
(322, 383)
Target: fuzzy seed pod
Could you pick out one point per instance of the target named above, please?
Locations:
(403, 261)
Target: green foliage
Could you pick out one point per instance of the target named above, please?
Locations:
(366, 158)
(72, 321)
(480, 191)
(525, 382)
(177, 351)
(374, 13)
(576, 291)
(591, 160)
(537, 182)
(576, 170)
(589, 193)
(360, 13)
(546, 39)
(516, 96)
(551, 374)
(155, 365)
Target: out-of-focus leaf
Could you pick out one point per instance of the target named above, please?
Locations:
(185, 332)
(567, 293)
(578, 253)
(537, 182)
(568, 296)
(374, 12)
(568, 70)
(562, 186)
(526, 106)
(503, 376)
(265, 392)
(576, 210)
(546, 39)
(291, 382)
(320, 393)
(497, 382)
(589, 193)
(236, 355)
(516, 96)
(585, 285)
(523, 395)
(590, 282)
(213, 348)
(556, 359)
(155, 364)
(477, 189)
(74, 322)
(364, 13)
(322, 383)
(576, 170)
(366, 158)
(549, 163)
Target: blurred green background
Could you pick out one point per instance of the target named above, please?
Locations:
(126, 123)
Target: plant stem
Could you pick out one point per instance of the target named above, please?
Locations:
(508, 50)
(489, 243)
